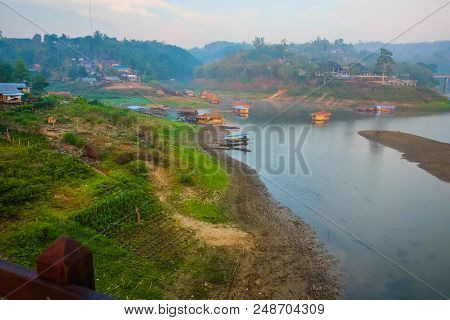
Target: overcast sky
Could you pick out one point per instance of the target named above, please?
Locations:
(189, 23)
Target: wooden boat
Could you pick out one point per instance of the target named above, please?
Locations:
(241, 109)
(365, 109)
(233, 143)
(321, 116)
(237, 137)
(384, 108)
(211, 118)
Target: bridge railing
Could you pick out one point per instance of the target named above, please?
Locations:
(64, 271)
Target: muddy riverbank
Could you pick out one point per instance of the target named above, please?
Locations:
(432, 156)
(288, 260)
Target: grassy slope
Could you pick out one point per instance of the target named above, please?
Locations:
(46, 193)
(127, 97)
(359, 93)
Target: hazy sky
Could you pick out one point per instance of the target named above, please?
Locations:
(189, 23)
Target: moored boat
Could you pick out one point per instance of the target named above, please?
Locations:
(241, 109)
(384, 108)
(321, 116)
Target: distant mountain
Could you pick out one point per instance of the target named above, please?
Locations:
(217, 50)
(437, 53)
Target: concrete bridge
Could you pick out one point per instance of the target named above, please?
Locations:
(445, 77)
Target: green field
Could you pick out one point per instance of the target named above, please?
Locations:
(87, 179)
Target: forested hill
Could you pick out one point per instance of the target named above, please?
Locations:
(150, 59)
(437, 53)
(217, 50)
(310, 64)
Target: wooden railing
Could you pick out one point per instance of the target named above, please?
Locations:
(64, 271)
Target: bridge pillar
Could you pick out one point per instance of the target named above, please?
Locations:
(445, 85)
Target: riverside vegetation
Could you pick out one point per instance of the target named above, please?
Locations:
(123, 184)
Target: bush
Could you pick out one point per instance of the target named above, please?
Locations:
(138, 168)
(186, 179)
(72, 139)
(117, 209)
(16, 192)
(44, 103)
(64, 167)
(125, 158)
(89, 150)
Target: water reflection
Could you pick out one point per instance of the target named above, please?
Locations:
(391, 204)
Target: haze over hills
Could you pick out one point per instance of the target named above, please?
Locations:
(217, 50)
(437, 52)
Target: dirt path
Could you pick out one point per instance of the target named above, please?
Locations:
(277, 95)
(287, 260)
(432, 156)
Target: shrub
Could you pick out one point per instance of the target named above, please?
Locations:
(125, 158)
(89, 150)
(186, 179)
(138, 168)
(64, 167)
(72, 139)
(14, 192)
(44, 103)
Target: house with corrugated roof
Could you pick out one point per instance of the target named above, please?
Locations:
(89, 80)
(112, 79)
(12, 92)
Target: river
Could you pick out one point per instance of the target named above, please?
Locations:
(386, 220)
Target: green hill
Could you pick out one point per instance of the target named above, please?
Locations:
(54, 54)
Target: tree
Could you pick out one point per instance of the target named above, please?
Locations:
(39, 83)
(77, 72)
(6, 71)
(357, 68)
(37, 37)
(20, 71)
(50, 38)
(259, 42)
(384, 62)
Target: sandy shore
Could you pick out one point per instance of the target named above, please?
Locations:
(432, 156)
(288, 260)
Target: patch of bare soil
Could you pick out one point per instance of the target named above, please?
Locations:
(287, 260)
(277, 95)
(221, 235)
(131, 86)
(432, 156)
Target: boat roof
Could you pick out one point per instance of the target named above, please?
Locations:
(18, 93)
(135, 107)
(385, 106)
(188, 110)
(241, 103)
(240, 107)
(237, 135)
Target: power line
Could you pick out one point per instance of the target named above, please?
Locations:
(90, 13)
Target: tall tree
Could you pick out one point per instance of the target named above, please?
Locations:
(6, 71)
(38, 83)
(20, 71)
(384, 62)
(259, 42)
(37, 37)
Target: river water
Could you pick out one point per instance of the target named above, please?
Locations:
(386, 220)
